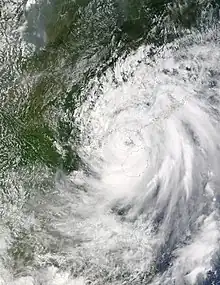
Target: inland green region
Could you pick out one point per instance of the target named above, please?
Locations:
(63, 45)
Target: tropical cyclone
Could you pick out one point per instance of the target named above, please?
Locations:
(144, 207)
(152, 138)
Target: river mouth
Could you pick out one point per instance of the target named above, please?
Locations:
(110, 143)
